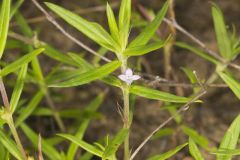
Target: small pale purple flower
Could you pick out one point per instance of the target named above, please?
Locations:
(128, 76)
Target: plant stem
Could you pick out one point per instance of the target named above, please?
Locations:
(55, 112)
(16, 137)
(126, 119)
(126, 110)
(9, 119)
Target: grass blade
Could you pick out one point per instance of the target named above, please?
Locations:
(157, 95)
(26, 112)
(86, 146)
(224, 43)
(4, 24)
(168, 154)
(194, 151)
(141, 50)
(112, 23)
(89, 76)
(124, 21)
(55, 54)
(10, 145)
(20, 62)
(231, 82)
(149, 31)
(202, 141)
(114, 144)
(230, 139)
(197, 52)
(18, 88)
(47, 149)
(93, 106)
(92, 30)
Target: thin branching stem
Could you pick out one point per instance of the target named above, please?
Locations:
(93, 9)
(9, 119)
(126, 119)
(4, 95)
(184, 108)
(192, 37)
(56, 114)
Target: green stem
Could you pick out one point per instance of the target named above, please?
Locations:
(16, 137)
(8, 118)
(56, 114)
(126, 115)
(126, 119)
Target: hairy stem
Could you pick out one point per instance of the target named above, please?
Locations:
(126, 110)
(126, 119)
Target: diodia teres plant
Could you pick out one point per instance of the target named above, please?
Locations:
(16, 110)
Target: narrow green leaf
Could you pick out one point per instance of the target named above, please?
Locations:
(231, 82)
(230, 139)
(111, 80)
(197, 52)
(168, 154)
(23, 25)
(92, 30)
(55, 54)
(124, 21)
(157, 95)
(141, 50)
(42, 111)
(4, 24)
(194, 151)
(3, 152)
(10, 145)
(87, 156)
(149, 31)
(192, 77)
(89, 76)
(93, 106)
(47, 149)
(162, 133)
(13, 44)
(18, 88)
(114, 144)
(112, 23)
(86, 146)
(26, 112)
(62, 75)
(15, 7)
(20, 62)
(202, 141)
(54, 140)
(226, 152)
(224, 43)
(81, 62)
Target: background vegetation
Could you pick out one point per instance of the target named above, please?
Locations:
(63, 98)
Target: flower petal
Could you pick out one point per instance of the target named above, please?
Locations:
(129, 72)
(123, 77)
(135, 77)
(128, 81)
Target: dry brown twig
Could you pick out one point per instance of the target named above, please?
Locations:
(60, 28)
